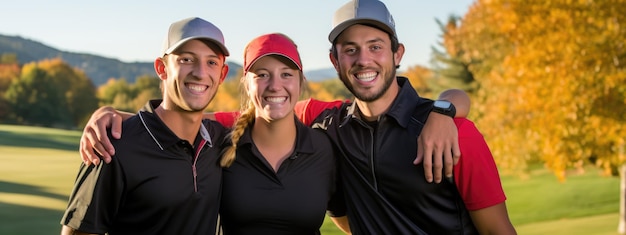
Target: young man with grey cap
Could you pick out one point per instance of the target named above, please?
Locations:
(167, 179)
(377, 135)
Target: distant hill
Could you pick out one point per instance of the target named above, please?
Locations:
(317, 75)
(99, 69)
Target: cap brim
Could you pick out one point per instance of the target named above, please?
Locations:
(273, 53)
(211, 40)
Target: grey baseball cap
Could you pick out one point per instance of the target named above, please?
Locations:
(369, 12)
(192, 28)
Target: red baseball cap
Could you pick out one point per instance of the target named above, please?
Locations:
(271, 44)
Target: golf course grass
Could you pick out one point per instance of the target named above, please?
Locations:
(38, 167)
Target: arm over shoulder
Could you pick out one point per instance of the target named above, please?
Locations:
(307, 110)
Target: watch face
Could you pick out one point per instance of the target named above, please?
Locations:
(442, 104)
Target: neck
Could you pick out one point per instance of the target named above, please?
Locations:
(372, 110)
(273, 131)
(275, 140)
(184, 124)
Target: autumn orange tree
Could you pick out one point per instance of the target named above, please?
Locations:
(553, 85)
(9, 71)
(228, 97)
(420, 78)
(326, 90)
(552, 81)
(51, 93)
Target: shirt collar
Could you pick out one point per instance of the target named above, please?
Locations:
(402, 107)
(160, 133)
(304, 142)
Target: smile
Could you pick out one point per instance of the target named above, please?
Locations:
(196, 87)
(275, 99)
(366, 77)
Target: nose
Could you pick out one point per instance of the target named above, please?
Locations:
(363, 58)
(201, 71)
(274, 83)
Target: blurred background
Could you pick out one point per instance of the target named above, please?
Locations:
(547, 82)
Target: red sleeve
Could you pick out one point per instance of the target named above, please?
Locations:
(227, 119)
(476, 175)
(307, 110)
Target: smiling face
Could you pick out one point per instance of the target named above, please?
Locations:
(365, 61)
(273, 86)
(191, 76)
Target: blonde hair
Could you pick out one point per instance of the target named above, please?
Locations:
(243, 121)
(246, 117)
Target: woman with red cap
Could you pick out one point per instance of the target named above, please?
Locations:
(279, 174)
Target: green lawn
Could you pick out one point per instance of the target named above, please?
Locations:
(38, 166)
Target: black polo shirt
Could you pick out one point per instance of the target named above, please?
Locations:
(155, 184)
(384, 192)
(292, 200)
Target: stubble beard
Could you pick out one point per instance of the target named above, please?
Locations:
(388, 80)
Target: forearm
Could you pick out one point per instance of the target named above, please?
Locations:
(493, 220)
(342, 223)
(66, 230)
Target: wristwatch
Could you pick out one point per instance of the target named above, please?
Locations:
(444, 107)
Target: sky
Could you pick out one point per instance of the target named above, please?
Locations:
(133, 30)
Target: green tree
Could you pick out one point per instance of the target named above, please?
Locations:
(51, 93)
(146, 88)
(9, 58)
(129, 97)
(34, 101)
(116, 93)
(8, 73)
(447, 64)
(76, 87)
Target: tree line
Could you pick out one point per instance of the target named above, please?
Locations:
(51, 93)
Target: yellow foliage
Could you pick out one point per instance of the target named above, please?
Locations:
(418, 75)
(552, 81)
(224, 102)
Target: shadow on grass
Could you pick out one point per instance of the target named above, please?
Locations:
(39, 140)
(10, 187)
(27, 220)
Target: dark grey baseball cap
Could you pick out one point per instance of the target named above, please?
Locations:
(369, 12)
(192, 28)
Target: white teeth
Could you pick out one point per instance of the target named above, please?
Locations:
(198, 88)
(366, 77)
(275, 99)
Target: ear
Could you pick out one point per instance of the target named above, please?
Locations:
(159, 68)
(224, 73)
(334, 61)
(398, 55)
